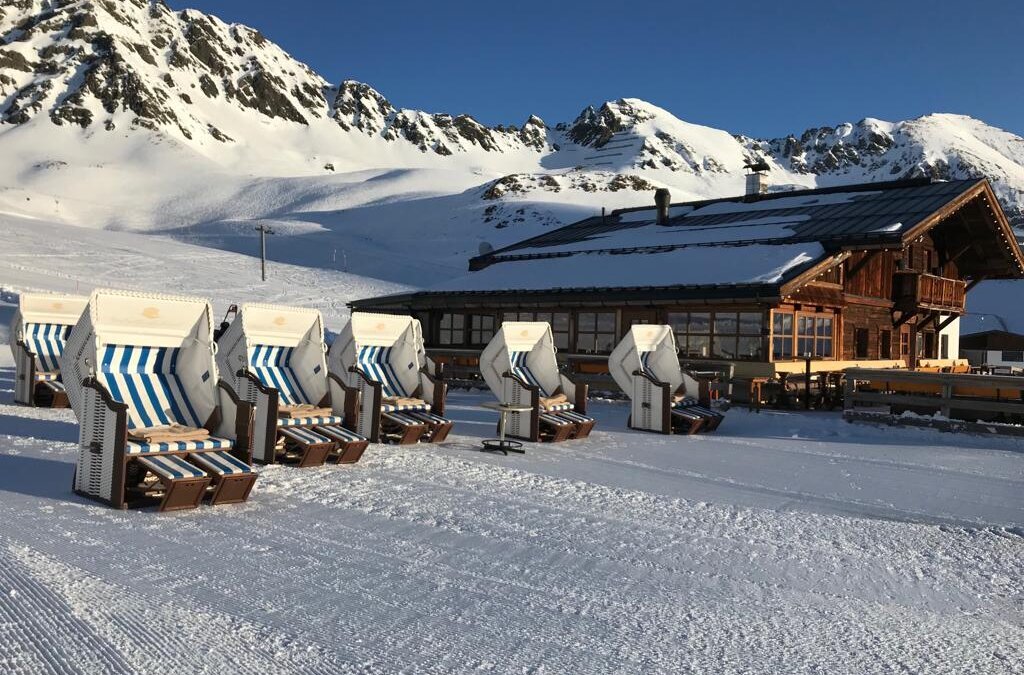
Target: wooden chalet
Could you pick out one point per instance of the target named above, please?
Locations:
(872, 275)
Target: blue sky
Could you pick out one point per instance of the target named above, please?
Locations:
(760, 68)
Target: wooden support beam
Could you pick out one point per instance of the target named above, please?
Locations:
(948, 320)
(972, 283)
(904, 318)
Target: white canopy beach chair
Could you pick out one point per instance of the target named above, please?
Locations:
(520, 367)
(645, 365)
(379, 363)
(39, 332)
(274, 359)
(156, 422)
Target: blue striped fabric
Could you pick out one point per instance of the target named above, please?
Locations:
(221, 463)
(272, 365)
(305, 436)
(686, 402)
(171, 466)
(208, 443)
(46, 341)
(428, 417)
(390, 407)
(520, 369)
(554, 419)
(403, 418)
(376, 363)
(644, 365)
(574, 416)
(308, 421)
(145, 379)
(340, 434)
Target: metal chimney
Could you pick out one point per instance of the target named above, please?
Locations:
(662, 199)
(757, 177)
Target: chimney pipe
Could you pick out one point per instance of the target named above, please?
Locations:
(757, 178)
(662, 198)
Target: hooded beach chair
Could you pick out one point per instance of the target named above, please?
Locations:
(274, 359)
(520, 367)
(39, 332)
(379, 364)
(645, 365)
(156, 423)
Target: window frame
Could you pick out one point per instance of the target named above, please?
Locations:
(597, 333)
(804, 328)
(451, 330)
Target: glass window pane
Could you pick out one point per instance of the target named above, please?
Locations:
(725, 323)
(749, 348)
(724, 347)
(824, 327)
(782, 348)
(606, 322)
(700, 322)
(446, 321)
(605, 342)
(824, 348)
(543, 316)
(560, 322)
(587, 321)
(458, 320)
(804, 347)
(561, 340)
(751, 323)
(678, 321)
(697, 346)
(585, 342)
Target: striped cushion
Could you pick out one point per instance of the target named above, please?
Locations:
(221, 463)
(520, 369)
(645, 366)
(428, 417)
(574, 416)
(559, 407)
(272, 365)
(46, 377)
(308, 421)
(554, 419)
(375, 362)
(171, 466)
(340, 434)
(305, 436)
(208, 443)
(387, 407)
(685, 403)
(403, 418)
(145, 379)
(46, 341)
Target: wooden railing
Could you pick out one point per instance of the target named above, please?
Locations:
(928, 291)
(975, 399)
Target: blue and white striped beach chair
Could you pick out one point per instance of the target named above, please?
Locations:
(38, 334)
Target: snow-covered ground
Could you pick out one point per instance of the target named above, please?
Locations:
(784, 543)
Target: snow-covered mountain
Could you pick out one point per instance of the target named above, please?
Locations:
(126, 114)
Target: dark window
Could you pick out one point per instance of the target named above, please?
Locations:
(481, 329)
(943, 346)
(904, 344)
(452, 330)
(885, 344)
(595, 332)
(929, 346)
(1012, 355)
(861, 336)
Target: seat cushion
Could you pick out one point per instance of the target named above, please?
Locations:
(172, 466)
(308, 421)
(559, 407)
(209, 443)
(403, 418)
(574, 416)
(388, 407)
(554, 419)
(340, 434)
(305, 436)
(221, 463)
(428, 417)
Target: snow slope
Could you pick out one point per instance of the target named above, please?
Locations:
(784, 543)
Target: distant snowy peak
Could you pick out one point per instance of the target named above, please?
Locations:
(359, 106)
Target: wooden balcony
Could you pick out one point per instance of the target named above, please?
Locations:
(919, 292)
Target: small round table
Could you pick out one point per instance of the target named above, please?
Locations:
(501, 444)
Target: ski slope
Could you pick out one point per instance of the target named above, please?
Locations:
(784, 543)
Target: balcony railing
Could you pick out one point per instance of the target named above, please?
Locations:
(917, 290)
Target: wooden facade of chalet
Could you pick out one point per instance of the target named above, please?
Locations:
(882, 274)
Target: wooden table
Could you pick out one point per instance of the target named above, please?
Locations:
(501, 444)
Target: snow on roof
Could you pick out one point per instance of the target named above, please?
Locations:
(689, 266)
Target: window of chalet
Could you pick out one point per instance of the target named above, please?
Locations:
(798, 334)
(452, 329)
(861, 336)
(905, 343)
(693, 333)
(595, 332)
(943, 346)
(559, 324)
(1012, 355)
(885, 344)
(738, 335)
(481, 329)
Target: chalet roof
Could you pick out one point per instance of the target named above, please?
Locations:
(738, 247)
(992, 339)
